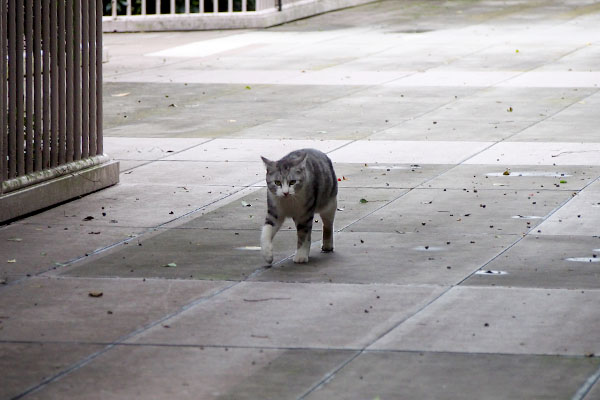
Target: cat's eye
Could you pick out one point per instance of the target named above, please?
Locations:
(278, 183)
(292, 183)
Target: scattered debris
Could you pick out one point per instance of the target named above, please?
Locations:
(88, 218)
(170, 265)
(246, 204)
(15, 239)
(11, 261)
(95, 294)
(363, 201)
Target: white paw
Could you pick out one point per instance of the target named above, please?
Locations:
(267, 253)
(300, 258)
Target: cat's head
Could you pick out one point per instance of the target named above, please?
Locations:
(286, 177)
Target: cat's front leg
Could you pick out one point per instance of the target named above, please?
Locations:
(304, 228)
(269, 230)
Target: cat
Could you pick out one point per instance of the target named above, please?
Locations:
(299, 185)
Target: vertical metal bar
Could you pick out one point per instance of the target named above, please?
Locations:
(187, 6)
(157, 5)
(62, 98)
(19, 94)
(46, 84)
(92, 82)
(12, 91)
(54, 110)
(3, 130)
(201, 6)
(85, 78)
(172, 7)
(37, 86)
(143, 7)
(28, 86)
(113, 8)
(69, 80)
(99, 136)
(230, 6)
(244, 5)
(77, 79)
(129, 7)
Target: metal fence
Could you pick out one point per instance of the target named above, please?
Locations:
(51, 91)
(161, 15)
(116, 8)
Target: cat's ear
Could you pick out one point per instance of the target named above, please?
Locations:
(301, 162)
(268, 163)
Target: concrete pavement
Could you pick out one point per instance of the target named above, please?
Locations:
(467, 262)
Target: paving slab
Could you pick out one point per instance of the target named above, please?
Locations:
(519, 177)
(249, 212)
(269, 314)
(24, 365)
(532, 153)
(196, 253)
(196, 372)
(184, 173)
(430, 127)
(250, 150)
(29, 249)
(407, 152)
(361, 257)
(435, 211)
(389, 176)
(62, 310)
(503, 320)
(543, 261)
(445, 376)
(578, 217)
(126, 205)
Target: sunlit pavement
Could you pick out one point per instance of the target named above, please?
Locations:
(467, 250)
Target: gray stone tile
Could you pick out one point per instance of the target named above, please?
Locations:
(430, 211)
(411, 258)
(133, 206)
(423, 375)
(381, 175)
(29, 249)
(250, 211)
(50, 309)
(532, 177)
(196, 373)
(579, 216)
(543, 261)
(24, 365)
(503, 320)
(291, 315)
(197, 254)
(430, 127)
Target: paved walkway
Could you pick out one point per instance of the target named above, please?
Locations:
(467, 241)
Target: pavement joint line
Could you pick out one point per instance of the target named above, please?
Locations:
(331, 375)
(86, 360)
(159, 159)
(587, 386)
(314, 348)
(113, 245)
(556, 209)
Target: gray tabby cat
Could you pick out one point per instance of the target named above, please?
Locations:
(300, 184)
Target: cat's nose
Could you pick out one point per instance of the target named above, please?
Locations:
(286, 193)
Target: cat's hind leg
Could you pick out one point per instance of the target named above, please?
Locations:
(304, 228)
(327, 216)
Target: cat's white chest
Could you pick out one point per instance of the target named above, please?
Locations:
(291, 207)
